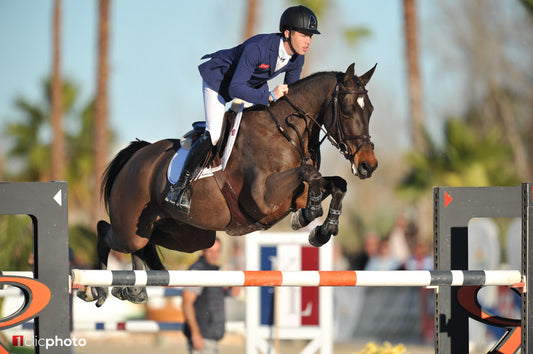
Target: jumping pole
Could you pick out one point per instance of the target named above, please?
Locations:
(415, 278)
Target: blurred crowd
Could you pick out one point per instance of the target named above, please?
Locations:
(405, 314)
(401, 249)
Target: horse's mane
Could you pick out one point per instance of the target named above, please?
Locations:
(296, 86)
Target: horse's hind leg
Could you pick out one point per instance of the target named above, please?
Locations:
(151, 257)
(145, 258)
(336, 186)
(98, 294)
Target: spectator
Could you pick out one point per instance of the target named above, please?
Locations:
(371, 249)
(384, 260)
(339, 260)
(421, 259)
(398, 241)
(203, 307)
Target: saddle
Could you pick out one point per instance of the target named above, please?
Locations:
(216, 162)
(222, 149)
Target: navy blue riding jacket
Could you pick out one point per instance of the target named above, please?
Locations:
(243, 71)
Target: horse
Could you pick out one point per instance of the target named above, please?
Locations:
(273, 170)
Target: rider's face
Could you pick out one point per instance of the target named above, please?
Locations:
(300, 42)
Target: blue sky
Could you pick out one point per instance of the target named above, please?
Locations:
(156, 46)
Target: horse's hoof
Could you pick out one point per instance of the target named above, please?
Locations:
(296, 220)
(102, 296)
(136, 295)
(89, 294)
(317, 239)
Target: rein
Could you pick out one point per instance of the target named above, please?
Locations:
(341, 144)
(286, 136)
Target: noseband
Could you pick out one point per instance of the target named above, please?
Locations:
(341, 144)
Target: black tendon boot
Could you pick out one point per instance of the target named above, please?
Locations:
(196, 157)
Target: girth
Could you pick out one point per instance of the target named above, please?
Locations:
(240, 223)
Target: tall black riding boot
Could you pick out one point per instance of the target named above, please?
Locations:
(196, 157)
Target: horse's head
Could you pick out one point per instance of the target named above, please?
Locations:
(350, 119)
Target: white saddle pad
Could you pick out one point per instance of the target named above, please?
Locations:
(178, 160)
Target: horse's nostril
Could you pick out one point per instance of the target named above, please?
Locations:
(366, 169)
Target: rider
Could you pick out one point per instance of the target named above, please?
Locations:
(243, 72)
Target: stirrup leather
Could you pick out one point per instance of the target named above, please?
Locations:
(197, 155)
(183, 202)
(177, 196)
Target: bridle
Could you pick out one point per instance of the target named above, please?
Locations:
(341, 144)
(342, 137)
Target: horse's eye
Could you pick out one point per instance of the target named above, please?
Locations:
(347, 112)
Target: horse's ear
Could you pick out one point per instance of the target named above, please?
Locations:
(350, 73)
(365, 78)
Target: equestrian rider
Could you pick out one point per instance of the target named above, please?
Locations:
(243, 72)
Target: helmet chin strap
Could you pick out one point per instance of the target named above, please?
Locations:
(290, 42)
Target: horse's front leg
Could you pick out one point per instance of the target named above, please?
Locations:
(313, 209)
(336, 186)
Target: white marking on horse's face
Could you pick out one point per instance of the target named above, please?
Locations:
(354, 169)
(361, 102)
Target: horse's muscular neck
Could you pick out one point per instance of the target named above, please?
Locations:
(313, 92)
(313, 95)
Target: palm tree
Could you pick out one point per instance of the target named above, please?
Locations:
(81, 165)
(16, 242)
(415, 86)
(251, 18)
(466, 159)
(29, 160)
(1, 166)
(101, 134)
(58, 145)
(28, 147)
(529, 6)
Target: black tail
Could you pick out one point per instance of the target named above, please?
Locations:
(116, 165)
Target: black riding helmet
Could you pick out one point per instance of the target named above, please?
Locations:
(299, 18)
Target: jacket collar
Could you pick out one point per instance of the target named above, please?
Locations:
(274, 49)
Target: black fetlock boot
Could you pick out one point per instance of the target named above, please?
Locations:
(196, 157)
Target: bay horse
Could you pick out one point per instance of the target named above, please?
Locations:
(273, 170)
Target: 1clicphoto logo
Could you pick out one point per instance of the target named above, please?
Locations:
(18, 341)
(37, 296)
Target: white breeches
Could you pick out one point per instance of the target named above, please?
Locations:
(215, 107)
